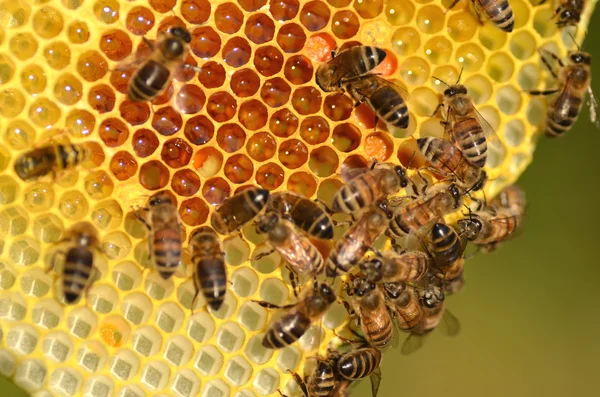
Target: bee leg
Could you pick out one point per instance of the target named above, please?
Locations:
(350, 311)
(294, 280)
(548, 92)
(300, 383)
(269, 305)
(194, 302)
(325, 207)
(437, 109)
(263, 254)
(53, 260)
(148, 43)
(454, 3)
(342, 223)
(547, 64)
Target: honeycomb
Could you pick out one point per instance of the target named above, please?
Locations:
(252, 115)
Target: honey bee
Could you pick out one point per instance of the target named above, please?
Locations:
(50, 159)
(452, 279)
(511, 198)
(368, 187)
(358, 239)
(295, 248)
(574, 80)
(487, 229)
(292, 325)
(447, 159)
(465, 126)
(154, 74)
(383, 96)
(304, 213)
(78, 260)
(238, 210)
(210, 275)
(445, 245)
(390, 267)
(499, 12)
(165, 233)
(368, 305)
(355, 61)
(568, 13)
(322, 382)
(412, 216)
(404, 303)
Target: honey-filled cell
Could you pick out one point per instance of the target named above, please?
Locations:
(302, 183)
(57, 55)
(346, 137)
(185, 183)
(68, 90)
(314, 130)
(134, 113)
(228, 18)
(153, 175)
(244, 83)
(190, 99)
(165, 96)
(307, 100)
(461, 26)
(199, 130)
(231, 137)
(207, 162)
(123, 165)
(98, 185)
(73, 205)
(206, 43)
(101, 98)
(47, 22)
(298, 69)
(238, 168)
(259, 28)
(119, 79)
(216, 190)
(113, 132)
(212, 75)
(261, 146)
(44, 113)
(344, 24)
(140, 20)
(196, 12)
(270, 176)
(293, 153)
(315, 15)
(221, 106)
(166, 121)
(23, 45)
(253, 114)
(19, 134)
(80, 123)
(284, 10)
(291, 38)
(144, 142)
(33, 79)
(275, 92)
(91, 66)
(323, 161)
(107, 11)
(193, 212)
(176, 153)
(354, 162)
(236, 52)
(368, 9)
(12, 102)
(283, 123)
(268, 60)
(430, 19)
(115, 44)
(338, 107)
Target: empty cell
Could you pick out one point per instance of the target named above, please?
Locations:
(65, 382)
(288, 358)
(102, 298)
(238, 370)
(47, 228)
(47, 313)
(185, 383)
(155, 375)
(256, 352)
(146, 341)
(14, 220)
(311, 338)
(335, 316)
(8, 189)
(252, 316)
(82, 322)
(528, 77)
(38, 197)
(500, 67)
(266, 381)
(98, 386)
(92, 356)
(227, 307)
(216, 388)
(8, 276)
(136, 308)
(126, 275)
(236, 251)
(208, 360)
(22, 339)
(523, 45)
(12, 307)
(267, 264)
(230, 337)
(178, 350)
(200, 327)
(157, 287)
(514, 132)
(245, 282)
(479, 88)
(124, 364)
(30, 374)
(536, 111)
(169, 317)
(7, 363)
(508, 99)
(496, 155)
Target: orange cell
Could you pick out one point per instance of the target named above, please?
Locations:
(139, 20)
(162, 6)
(284, 10)
(323, 161)
(123, 165)
(212, 75)
(193, 212)
(196, 12)
(283, 123)
(228, 18)
(115, 44)
(315, 15)
(344, 24)
(119, 79)
(307, 100)
(101, 98)
(388, 66)
(78, 32)
(153, 175)
(199, 130)
(176, 153)
(293, 153)
(298, 69)
(368, 9)
(261, 146)
(314, 130)
(236, 52)
(190, 99)
(270, 176)
(207, 162)
(252, 5)
(113, 132)
(135, 113)
(253, 114)
(244, 83)
(231, 137)
(302, 183)
(338, 107)
(144, 142)
(259, 28)
(221, 106)
(319, 47)
(166, 121)
(92, 66)
(268, 60)
(216, 190)
(205, 42)
(275, 92)
(291, 38)
(379, 146)
(238, 168)
(80, 122)
(346, 137)
(185, 183)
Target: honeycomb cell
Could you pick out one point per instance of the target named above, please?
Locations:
(238, 168)
(47, 22)
(405, 41)
(275, 92)
(144, 142)
(338, 107)
(154, 175)
(270, 176)
(107, 11)
(134, 113)
(253, 115)
(259, 28)
(44, 113)
(521, 10)
(98, 185)
(123, 165)
(166, 121)
(193, 212)
(176, 153)
(228, 18)
(491, 37)
(244, 83)
(368, 9)
(231, 137)
(302, 183)
(221, 106)
(261, 146)
(298, 70)
(462, 26)
(323, 161)
(293, 153)
(23, 45)
(12, 102)
(346, 137)
(216, 190)
(119, 79)
(190, 99)
(38, 197)
(206, 43)
(500, 67)
(268, 60)
(19, 134)
(196, 12)
(199, 130)
(8, 190)
(236, 52)
(438, 50)
(344, 24)
(514, 132)
(57, 55)
(523, 45)
(284, 10)
(283, 123)
(113, 132)
(33, 79)
(479, 88)
(92, 66)
(528, 77)
(315, 15)
(68, 89)
(508, 99)
(252, 5)
(415, 71)
(307, 100)
(13, 221)
(470, 57)
(101, 98)
(314, 130)
(115, 44)
(185, 183)
(140, 20)
(212, 75)
(430, 19)
(291, 38)
(399, 12)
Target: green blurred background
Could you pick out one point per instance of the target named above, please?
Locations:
(530, 312)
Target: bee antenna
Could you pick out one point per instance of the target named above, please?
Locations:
(460, 75)
(574, 41)
(412, 157)
(440, 80)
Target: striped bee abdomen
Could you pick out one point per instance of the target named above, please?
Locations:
(167, 251)
(287, 330)
(360, 363)
(148, 81)
(79, 263)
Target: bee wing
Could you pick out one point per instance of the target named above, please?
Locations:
(348, 173)
(375, 381)
(488, 131)
(413, 343)
(449, 326)
(449, 126)
(593, 108)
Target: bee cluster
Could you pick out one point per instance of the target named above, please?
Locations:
(330, 249)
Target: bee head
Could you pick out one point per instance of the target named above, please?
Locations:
(470, 227)
(182, 33)
(432, 296)
(456, 195)
(569, 17)
(363, 287)
(267, 222)
(324, 78)
(372, 269)
(383, 205)
(160, 198)
(454, 90)
(394, 290)
(401, 172)
(327, 293)
(580, 58)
